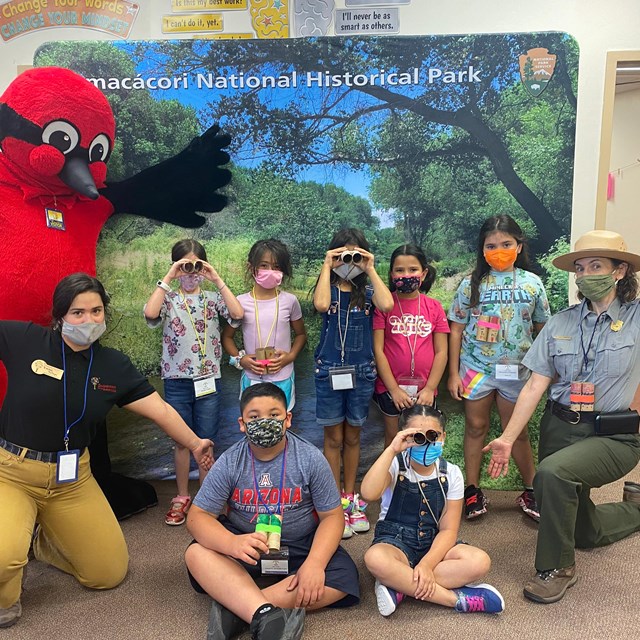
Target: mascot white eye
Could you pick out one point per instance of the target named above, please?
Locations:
(61, 135)
(99, 148)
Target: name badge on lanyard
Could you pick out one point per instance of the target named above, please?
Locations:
(67, 466)
(204, 385)
(342, 378)
(507, 372)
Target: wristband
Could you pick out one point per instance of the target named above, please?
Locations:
(164, 286)
(224, 284)
(234, 361)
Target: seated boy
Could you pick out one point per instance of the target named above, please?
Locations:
(415, 550)
(269, 473)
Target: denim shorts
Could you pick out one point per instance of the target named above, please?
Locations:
(352, 405)
(201, 415)
(479, 385)
(404, 538)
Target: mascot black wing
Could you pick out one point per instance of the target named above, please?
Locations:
(174, 190)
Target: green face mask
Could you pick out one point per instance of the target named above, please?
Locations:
(596, 287)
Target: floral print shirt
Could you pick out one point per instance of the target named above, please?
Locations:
(182, 317)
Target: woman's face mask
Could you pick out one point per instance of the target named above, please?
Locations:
(426, 454)
(83, 334)
(190, 282)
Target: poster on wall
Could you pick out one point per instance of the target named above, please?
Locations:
(410, 139)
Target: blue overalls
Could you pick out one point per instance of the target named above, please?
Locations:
(352, 405)
(409, 524)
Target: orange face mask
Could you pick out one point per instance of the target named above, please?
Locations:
(501, 259)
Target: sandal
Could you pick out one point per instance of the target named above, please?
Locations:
(177, 513)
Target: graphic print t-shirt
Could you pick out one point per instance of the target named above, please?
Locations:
(309, 487)
(518, 304)
(403, 325)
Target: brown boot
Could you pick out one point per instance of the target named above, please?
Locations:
(550, 586)
(631, 492)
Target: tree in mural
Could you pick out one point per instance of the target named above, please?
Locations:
(475, 127)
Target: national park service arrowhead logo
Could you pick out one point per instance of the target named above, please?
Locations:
(536, 69)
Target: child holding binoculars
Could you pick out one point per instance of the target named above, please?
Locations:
(191, 351)
(345, 370)
(271, 487)
(409, 342)
(270, 315)
(415, 550)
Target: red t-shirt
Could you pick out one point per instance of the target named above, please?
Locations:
(418, 320)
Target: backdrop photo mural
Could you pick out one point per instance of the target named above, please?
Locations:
(415, 139)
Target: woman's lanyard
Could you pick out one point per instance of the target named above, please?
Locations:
(67, 426)
(412, 348)
(273, 324)
(343, 337)
(283, 473)
(202, 345)
(585, 352)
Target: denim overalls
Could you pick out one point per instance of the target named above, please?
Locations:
(408, 524)
(333, 407)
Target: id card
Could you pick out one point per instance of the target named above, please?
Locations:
(342, 378)
(275, 562)
(67, 466)
(55, 219)
(411, 386)
(204, 385)
(507, 372)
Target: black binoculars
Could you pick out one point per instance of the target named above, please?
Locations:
(349, 257)
(192, 267)
(429, 436)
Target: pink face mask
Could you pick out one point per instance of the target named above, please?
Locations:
(190, 282)
(268, 278)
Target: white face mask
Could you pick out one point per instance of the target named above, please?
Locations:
(347, 271)
(83, 334)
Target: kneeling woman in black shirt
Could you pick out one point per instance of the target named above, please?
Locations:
(62, 383)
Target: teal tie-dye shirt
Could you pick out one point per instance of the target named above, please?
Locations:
(518, 304)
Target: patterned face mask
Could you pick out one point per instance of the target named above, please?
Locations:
(264, 432)
(406, 284)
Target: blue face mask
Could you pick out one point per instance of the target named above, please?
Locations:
(426, 454)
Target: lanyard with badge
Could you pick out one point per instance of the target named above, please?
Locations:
(205, 383)
(276, 560)
(264, 352)
(67, 461)
(582, 394)
(509, 370)
(412, 384)
(342, 378)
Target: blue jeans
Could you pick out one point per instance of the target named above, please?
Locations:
(202, 415)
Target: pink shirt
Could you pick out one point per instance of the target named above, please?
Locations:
(403, 326)
(288, 310)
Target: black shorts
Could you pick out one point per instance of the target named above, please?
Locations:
(385, 404)
(341, 572)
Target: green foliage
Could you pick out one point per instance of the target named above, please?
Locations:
(556, 282)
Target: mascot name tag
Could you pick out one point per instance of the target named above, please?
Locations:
(55, 219)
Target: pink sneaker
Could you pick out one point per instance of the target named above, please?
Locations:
(348, 531)
(359, 522)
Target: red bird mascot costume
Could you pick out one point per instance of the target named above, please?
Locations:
(56, 135)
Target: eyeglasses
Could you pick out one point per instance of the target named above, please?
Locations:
(429, 436)
(195, 266)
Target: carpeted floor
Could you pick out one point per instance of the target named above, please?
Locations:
(155, 601)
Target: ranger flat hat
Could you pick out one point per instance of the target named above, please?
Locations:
(598, 244)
